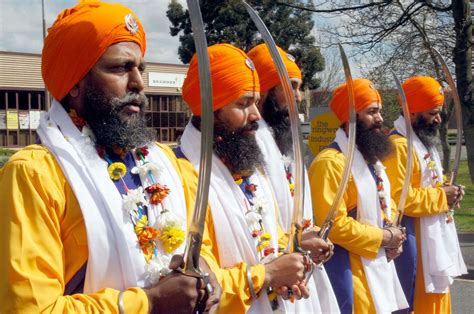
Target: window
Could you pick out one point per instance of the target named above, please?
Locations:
(12, 100)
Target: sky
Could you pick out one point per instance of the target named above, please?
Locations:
(21, 26)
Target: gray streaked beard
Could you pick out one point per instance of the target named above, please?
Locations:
(111, 125)
(426, 132)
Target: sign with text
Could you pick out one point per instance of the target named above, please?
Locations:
(323, 130)
(12, 120)
(158, 79)
(34, 119)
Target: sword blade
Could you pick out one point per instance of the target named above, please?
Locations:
(298, 200)
(331, 216)
(196, 229)
(409, 163)
(458, 113)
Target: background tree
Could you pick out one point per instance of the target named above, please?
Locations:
(228, 21)
(400, 35)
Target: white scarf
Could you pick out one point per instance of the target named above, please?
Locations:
(440, 252)
(385, 288)
(115, 258)
(227, 202)
(322, 298)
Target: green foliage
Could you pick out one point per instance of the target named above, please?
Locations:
(6, 152)
(464, 216)
(227, 21)
(390, 107)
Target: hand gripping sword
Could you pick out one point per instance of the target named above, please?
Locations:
(196, 229)
(458, 113)
(409, 163)
(331, 216)
(294, 244)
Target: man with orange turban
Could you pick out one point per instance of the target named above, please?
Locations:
(361, 277)
(94, 218)
(243, 230)
(275, 141)
(431, 256)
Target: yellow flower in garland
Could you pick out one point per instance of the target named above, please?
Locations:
(146, 236)
(171, 238)
(292, 189)
(431, 165)
(116, 170)
(265, 239)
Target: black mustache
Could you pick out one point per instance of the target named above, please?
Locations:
(252, 126)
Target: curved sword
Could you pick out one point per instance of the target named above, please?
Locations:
(409, 164)
(331, 216)
(196, 229)
(458, 113)
(298, 200)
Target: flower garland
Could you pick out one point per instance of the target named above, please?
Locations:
(431, 166)
(378, 168)
(289, 175)
(287, 161)
(136, 202)
(256, 210)
(436, 182)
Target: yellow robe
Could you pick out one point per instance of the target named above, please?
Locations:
(420, 202)
(236, 296)
(44, 243)
(359, 239)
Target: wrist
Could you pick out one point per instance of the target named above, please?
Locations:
(152, 297)
(268, 276)
(387, 237)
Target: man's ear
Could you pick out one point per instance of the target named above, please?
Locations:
(74, 92)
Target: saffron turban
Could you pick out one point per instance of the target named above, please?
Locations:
(423, 93)
(365, 94)
(267, 71)
(233, 75)
(79, 37)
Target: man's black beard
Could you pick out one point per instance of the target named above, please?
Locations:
(279, 120)
(374, 145)
(111, 125)
(238, 151)
(426, 132)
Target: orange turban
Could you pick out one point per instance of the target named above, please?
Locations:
(423, 93)
(79, 37)
(267, 71)
(233, 74)
(365, 94)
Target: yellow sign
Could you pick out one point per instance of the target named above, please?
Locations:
(12, 120)
(323, 131)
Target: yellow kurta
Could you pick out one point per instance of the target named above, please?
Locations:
(359, 239)
(44, 243)
(420, 202)
(236, 296)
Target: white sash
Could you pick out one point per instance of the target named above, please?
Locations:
(115, 258)
(228, 208)
(385, 288)
(322, 298)
(441, 256)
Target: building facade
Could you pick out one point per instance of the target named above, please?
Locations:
(22, 99)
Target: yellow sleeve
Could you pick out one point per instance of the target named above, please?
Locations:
(325, 175)
(420, 201)
(236, 296)
(38, 242)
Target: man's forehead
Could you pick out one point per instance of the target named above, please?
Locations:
(436, 109)
(374, 106)
(252, 94)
